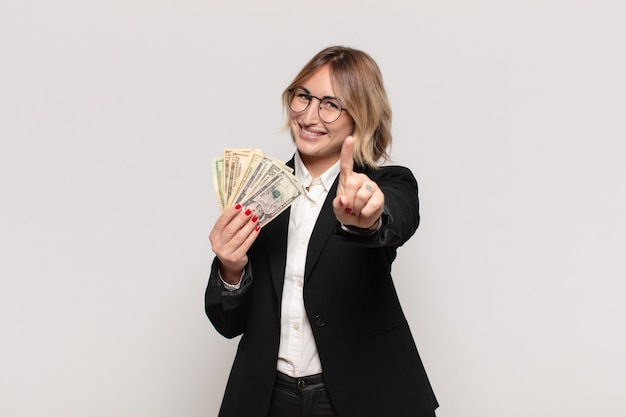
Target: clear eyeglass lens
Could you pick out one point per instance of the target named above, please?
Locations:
(329, 110)
(300, 100)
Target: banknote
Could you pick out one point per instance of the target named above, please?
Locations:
(235, 161)
(255, 180)
(256, 176)
(217, 164)
(274, 197)
(246, 173)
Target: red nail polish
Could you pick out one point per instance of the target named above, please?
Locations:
(238, 206)
(257, 228)
(348, 210)
(255, 218)
(248, 212)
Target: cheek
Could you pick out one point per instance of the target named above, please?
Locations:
(346, 129)
(347, 124)
(293, 124)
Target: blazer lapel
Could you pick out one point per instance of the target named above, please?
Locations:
(277, 252)
(324, 227)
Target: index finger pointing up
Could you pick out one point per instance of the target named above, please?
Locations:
(346, 163)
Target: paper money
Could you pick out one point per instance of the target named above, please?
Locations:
(235, 161)
(217, 164)
(254, 176)
(272, 198)
(256, 181)
(245, 174)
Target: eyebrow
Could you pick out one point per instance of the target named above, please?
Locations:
(323, 97)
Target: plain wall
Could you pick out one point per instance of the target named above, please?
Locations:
(510, 114)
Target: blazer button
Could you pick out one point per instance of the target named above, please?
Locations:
(319, 321)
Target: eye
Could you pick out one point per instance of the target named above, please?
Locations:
(331, 104)
(302, 95)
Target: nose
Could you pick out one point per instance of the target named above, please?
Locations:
(311, 113)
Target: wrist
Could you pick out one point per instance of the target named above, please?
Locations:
(363, 231)
(229, 276)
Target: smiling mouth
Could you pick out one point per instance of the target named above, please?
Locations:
(310, 133)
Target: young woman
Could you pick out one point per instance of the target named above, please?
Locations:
(323, 333)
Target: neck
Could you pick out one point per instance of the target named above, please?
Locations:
(317, 166)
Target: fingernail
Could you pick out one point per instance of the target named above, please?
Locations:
(258, 227)
(255, 218)
(238, 206)
(248, 212)
(348, 210)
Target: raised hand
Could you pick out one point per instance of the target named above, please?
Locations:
(359, 201)
(233, 234)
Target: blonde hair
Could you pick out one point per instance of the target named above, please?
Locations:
(358, 81)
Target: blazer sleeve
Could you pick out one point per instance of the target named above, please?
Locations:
(400, 217)
(228, 309)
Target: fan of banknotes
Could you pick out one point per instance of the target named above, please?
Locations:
(264, 184)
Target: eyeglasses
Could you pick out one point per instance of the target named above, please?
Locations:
(329, 110)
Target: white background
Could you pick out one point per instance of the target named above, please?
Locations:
(510, 114)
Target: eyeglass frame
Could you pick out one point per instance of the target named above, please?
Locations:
(311, 97)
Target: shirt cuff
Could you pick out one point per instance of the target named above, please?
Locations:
(359, 231)
(231, 287)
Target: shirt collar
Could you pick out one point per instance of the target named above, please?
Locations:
(327, 178)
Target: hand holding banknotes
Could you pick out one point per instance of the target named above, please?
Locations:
(233, 234)
(359, 201)
(256, 181)
(251, 189)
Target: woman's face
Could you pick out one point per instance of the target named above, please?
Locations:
(319, 143)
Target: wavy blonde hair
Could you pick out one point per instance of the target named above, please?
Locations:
(358, 81)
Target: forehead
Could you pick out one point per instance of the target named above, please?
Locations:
(320, 82)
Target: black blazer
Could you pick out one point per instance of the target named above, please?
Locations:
(370, 363)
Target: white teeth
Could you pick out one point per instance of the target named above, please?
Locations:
(311, 133)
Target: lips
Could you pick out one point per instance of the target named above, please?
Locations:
(310, 134)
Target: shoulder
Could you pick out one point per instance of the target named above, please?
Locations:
(383, 170)
(394, 170)
(391, 173)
